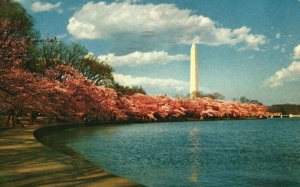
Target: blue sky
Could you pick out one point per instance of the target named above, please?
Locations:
(246, 48)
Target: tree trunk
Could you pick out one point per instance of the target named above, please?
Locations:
(8, 120)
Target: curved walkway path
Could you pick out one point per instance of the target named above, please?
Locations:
(26, 162)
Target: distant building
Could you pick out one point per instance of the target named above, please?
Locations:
(280, 115)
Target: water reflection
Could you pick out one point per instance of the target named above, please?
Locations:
(194, 139)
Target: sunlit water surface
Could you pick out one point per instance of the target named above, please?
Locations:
(214, 153)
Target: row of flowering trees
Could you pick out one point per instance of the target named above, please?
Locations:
(64, 91)
(153, 108)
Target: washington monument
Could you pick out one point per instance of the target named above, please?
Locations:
(194, 82)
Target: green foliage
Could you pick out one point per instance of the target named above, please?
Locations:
(126, 90)
(97, 71)
(22, 29)
(285, 109)
(50, 53)
(214, 95)
(12, 11)
(244, 99)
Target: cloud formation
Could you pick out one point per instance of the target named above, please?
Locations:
(285, 75)
(150, 83)
(162, 23)
(139, 58)
(61, 36)
(297, 52)
(129, 1)
(45, 7)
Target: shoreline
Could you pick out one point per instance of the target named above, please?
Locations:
(27, 162)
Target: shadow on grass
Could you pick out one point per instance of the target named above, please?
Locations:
(25, 162)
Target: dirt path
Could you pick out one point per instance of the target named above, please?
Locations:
(26, 162)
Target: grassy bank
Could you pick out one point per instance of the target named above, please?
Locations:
(27, 162)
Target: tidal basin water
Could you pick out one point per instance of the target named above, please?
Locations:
(206, 153)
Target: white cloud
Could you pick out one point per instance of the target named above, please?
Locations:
(129, 1)
(45, 7)
(139, 58)
(152, 83)
(277, 36)
(161, 23)
(297, 52)
(61, 36)
(285, 75)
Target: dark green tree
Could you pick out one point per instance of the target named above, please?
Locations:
(214, 95)
(11, 11)
(244, 99)
(285, 109)
(97, 71)
(51, 52)
(126, 90)
(21, 28)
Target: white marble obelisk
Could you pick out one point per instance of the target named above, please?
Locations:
(194, 82)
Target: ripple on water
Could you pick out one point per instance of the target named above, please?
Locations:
(215, 153)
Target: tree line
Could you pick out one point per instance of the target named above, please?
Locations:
(285, 109)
